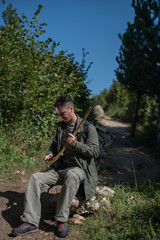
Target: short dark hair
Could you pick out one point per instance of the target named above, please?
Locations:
(63, 101)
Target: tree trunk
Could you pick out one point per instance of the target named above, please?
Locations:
(158, 126)
(136, 115)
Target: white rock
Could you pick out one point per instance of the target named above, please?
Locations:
(105, 191)
(77, 219)
(99, 111)
(105, 202)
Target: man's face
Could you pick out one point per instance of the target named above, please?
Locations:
(66, 113)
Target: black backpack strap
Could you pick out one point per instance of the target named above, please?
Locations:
(84, 134)
(85, 129)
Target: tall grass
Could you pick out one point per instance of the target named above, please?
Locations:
(132, 216)
(19, 151)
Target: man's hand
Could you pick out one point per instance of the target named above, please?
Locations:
(48, 157)
(71, 140)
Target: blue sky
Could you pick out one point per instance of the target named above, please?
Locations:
(90, 24)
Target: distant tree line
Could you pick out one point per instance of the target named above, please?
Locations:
(136, 95)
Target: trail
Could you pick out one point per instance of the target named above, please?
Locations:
(124, 158)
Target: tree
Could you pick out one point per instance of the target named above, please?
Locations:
(31, 75)
(10, 15)
(148, 13)
(100, 99)
(137, 63)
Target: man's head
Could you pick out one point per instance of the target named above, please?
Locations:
(64, 101)
(65, 108)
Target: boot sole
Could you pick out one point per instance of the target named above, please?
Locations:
(22, 234)
(63, 235)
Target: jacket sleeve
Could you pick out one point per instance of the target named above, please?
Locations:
(90, 149)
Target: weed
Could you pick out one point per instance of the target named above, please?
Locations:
(13, 157)
(133, 216)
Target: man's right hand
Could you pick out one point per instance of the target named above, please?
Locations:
(48, 157)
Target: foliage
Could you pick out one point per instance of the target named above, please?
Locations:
(114, 101)
(117, 100)
(137, 61)
(10, 15)
(100, 99)
(32, 76)
(132, 215)
(139, 53)
(13, 157)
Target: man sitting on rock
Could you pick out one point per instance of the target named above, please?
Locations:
(75, 167)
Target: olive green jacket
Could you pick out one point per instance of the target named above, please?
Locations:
(84, 154)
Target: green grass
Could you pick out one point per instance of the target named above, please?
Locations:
(18, 154)
(132, 216)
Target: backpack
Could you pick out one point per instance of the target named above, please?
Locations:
(105, 138)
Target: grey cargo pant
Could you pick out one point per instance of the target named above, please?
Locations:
(39, 182)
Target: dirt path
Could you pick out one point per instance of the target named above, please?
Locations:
(124, 158)
(118, 168)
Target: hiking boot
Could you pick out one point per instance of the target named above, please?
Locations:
(62, 229)
(24, 228)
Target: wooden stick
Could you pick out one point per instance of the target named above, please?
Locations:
(66, 144)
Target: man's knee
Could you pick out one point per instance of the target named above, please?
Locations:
(35, 176)
(33, 180)
(74, 175)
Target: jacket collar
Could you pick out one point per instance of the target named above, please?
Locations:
(79, 119)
